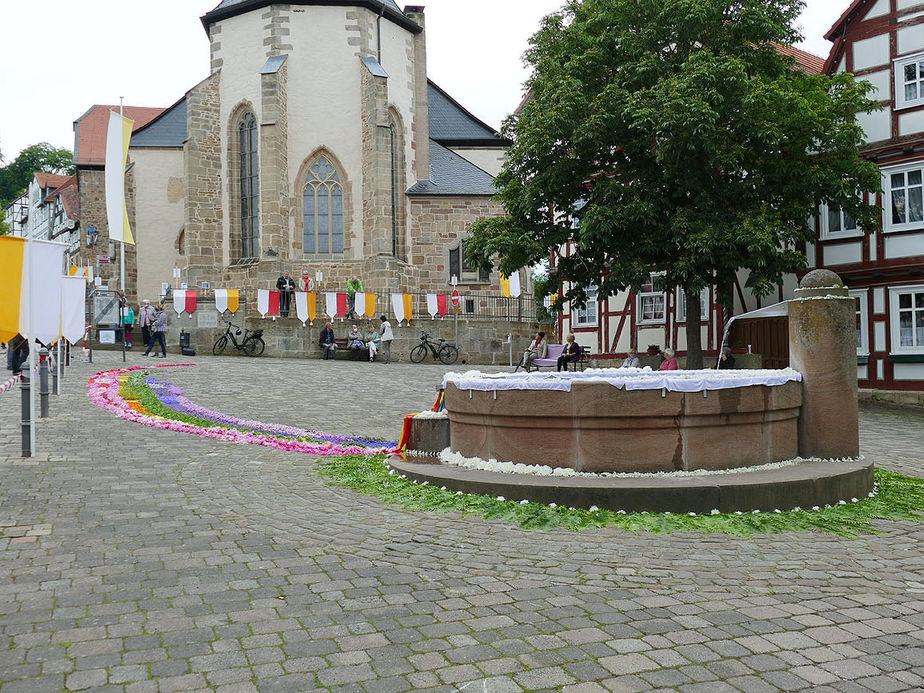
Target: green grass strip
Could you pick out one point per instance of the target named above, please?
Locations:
(899, 498)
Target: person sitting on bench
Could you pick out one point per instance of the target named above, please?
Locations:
(571, 354)
(328, 342)
(538, 349)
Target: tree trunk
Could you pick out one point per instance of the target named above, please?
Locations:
(694, 333)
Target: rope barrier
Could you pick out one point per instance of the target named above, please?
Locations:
(11, 383)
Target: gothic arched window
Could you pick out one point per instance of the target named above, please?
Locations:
(249, 187)
(322, 210)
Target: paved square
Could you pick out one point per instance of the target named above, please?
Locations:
(135, 559)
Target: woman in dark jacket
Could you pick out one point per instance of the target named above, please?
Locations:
(158, 331)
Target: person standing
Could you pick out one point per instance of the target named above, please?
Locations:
(306, 281)
(327, 342)
(287, 287)
(128, 321)
(353, 286)
(158, 331)
(146, 320)
(386, 336)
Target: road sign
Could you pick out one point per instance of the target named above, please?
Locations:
(456, 298)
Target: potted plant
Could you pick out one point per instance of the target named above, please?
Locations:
(654, 349)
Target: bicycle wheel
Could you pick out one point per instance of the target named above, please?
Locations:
(254, 346)
(449, 354)
(418, 353)
(220, 345)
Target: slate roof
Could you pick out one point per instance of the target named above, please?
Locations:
(90, 131)
(166, 130)
(230, 8)
(450, 174)
(452, 125)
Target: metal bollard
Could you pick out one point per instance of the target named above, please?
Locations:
(24, 386)
(54, 378)
(43, 383)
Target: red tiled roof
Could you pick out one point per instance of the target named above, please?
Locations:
(808, 62)
(50, 180)
(69, 196)
(836, 27)
(90, 131)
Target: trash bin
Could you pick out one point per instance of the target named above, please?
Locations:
(184, 344)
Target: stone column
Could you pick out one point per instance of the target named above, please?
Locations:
(822, 346)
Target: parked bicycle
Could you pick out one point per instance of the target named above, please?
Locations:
(444, 351)
(252, 344)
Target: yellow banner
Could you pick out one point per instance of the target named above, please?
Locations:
(12, 251)
(370, 305)
(505, 286)
(312, 305)
(233, 299)
(408, 306)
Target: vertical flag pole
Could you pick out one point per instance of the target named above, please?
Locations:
(122, 263)
(32, 383)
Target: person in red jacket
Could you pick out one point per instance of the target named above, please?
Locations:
(669, 363)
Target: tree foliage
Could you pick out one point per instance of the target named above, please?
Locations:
(680, 140)
(36, 158)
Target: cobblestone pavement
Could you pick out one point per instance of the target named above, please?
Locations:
(143, 560)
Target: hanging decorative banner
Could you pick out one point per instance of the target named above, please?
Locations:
(359, 304)
(12, 264)
(191, 301)
(234, 300)
(514, 280)
(73, 308)
(301, 306)
(370, 305)
(221, 300)
(118, 137)
(505, 286)
(432, 306)
(397, 305)
(342, 305)
(408, 307)
(442, 305)
(330, 304)
(312, 298)
(179, 300)
(267, 303)
(40, 316)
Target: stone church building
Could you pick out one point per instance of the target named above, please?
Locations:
(317, 143)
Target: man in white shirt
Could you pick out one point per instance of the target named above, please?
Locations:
(386, 336)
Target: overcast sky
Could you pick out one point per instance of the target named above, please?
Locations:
(59, 57)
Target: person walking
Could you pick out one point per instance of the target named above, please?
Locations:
(386, 336)
(146, 320)
(287, 287)
(158, 331)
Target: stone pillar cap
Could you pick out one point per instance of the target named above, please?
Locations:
(821, 282)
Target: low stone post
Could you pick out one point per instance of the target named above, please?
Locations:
(822, 346)
(43, 383)
(26, 420)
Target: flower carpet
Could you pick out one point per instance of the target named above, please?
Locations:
(131, 395)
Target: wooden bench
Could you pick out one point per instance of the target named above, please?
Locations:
(343, 349)
(555, 351)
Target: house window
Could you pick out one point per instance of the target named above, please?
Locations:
(703, 305)
(461, 268)
(906, 194)
(909, 80)
(322, 211)
(907, 319)
(250, 187)
(836, 223)
(862, 322)
(651, 303)
(587, 316)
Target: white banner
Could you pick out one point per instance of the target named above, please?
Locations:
(330, 300)
(359, 308)
(263, 302)
(221, 300)
(43, 279)
(432, 307)
(74, 308)
(515, 284)
(301, 306)
(179, 300)
(397, 305)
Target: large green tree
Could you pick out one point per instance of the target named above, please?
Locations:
(36, 158)
(678, 139)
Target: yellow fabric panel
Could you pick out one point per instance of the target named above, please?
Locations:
(127, 126)
(234, 298)
(312, 305)
(12, 250)
(505, 286)
(408, 300)
(370, 305)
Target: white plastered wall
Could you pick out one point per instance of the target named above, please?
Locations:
(159, 215)
(490, 159)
